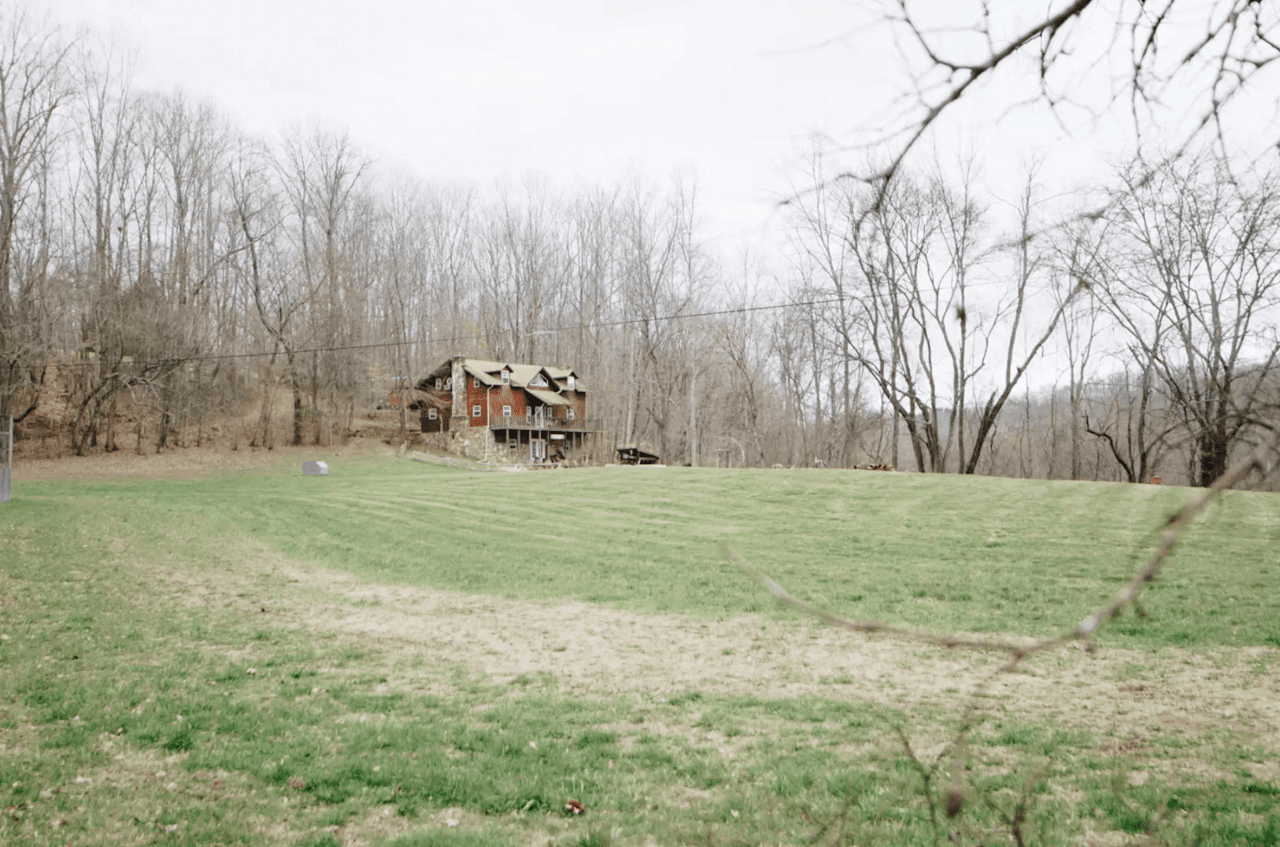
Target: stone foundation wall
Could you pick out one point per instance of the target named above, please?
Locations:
(472, 442)
(478, 443)
(469, 442)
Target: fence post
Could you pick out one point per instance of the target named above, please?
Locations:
(6, 461)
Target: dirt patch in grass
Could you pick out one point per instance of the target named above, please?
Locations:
(595, 650)
(182, 463)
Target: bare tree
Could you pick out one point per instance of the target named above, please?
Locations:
(908, 298)
(1194, 281)
(822, 223)
(277, 289)
(447, 324)
(139, 340)
(742, 341)
(189, 143)
(36, 86)
(1018, 342)
(329, 224)
(1124, 412)
(925, 297)
(107, 136)
(652, 298)
(523, 261)
(801, 362)
(592, 292)
(403, 272)
(1075, 260)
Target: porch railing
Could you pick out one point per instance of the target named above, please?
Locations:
(539, 422)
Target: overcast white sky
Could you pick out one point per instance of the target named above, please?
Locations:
(576, 90)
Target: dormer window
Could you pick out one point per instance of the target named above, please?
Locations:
(506, 377)
(571, 382)
(538, 381)
(439, 383)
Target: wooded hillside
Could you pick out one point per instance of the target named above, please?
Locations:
(163, 272)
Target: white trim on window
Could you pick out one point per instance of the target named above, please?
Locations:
(475, 410)
(568, 414)
(506, 377)
(432, 413)
(571, 382)
(475, 382)
(506, 411)
(439, 383)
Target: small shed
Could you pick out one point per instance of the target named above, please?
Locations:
(636, 456)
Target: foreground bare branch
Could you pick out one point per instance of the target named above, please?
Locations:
(1171, 57)
(1263, 459)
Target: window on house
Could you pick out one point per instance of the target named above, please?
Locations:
(571, 382)
(568, 414)
(432, 414)
(475, 411)
(439, 383)
(506, 411)
(475, 382)
(448, 384)
(539, 381)
(506, 377)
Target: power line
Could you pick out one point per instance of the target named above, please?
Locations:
(340, 348)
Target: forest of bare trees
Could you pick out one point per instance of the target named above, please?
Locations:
(168, 280)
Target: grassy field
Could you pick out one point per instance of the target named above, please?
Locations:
(150, 695)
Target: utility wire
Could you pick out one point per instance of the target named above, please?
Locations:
(385, 344)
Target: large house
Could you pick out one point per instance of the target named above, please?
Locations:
(506, 412)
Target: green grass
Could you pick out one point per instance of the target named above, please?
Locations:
(952, 553)
(136, 711)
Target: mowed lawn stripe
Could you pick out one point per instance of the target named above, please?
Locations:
(946, 552)
(157, 692)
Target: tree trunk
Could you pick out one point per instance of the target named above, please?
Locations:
(296, 385)
(1213, 448)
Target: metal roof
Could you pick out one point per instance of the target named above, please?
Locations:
(522, 374)
(548, 397)
(483, 365)
(561, 377)
(486, 378)
(489, 373)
